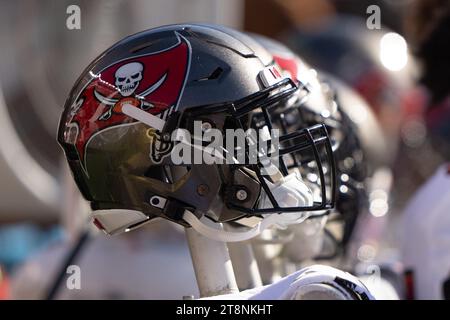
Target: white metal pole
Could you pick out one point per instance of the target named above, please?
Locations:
(212, 265)
(210, 258)
(244, 265)
(267, 258)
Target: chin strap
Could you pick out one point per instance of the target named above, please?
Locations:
(227, 236)
(290, 191)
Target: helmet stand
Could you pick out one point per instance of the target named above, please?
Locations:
(245, 265)
(212, 265)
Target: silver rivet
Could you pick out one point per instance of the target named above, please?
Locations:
(241, 195)
(166, 137)
(158, 202)
(206, 126)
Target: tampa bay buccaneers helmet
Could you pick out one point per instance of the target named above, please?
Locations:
(117, 131)
(324, 102)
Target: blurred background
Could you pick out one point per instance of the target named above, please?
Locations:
(40, 59)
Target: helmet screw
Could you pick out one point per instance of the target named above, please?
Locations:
(202, 189)
(206, 126)
(166, 137)
(241, 194)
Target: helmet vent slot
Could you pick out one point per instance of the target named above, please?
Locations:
(213, 76)
(142, 46)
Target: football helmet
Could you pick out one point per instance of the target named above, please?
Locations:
(136, 107)
(324, 104)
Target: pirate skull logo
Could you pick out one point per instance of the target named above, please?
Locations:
(128, 77)
(152, 82)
